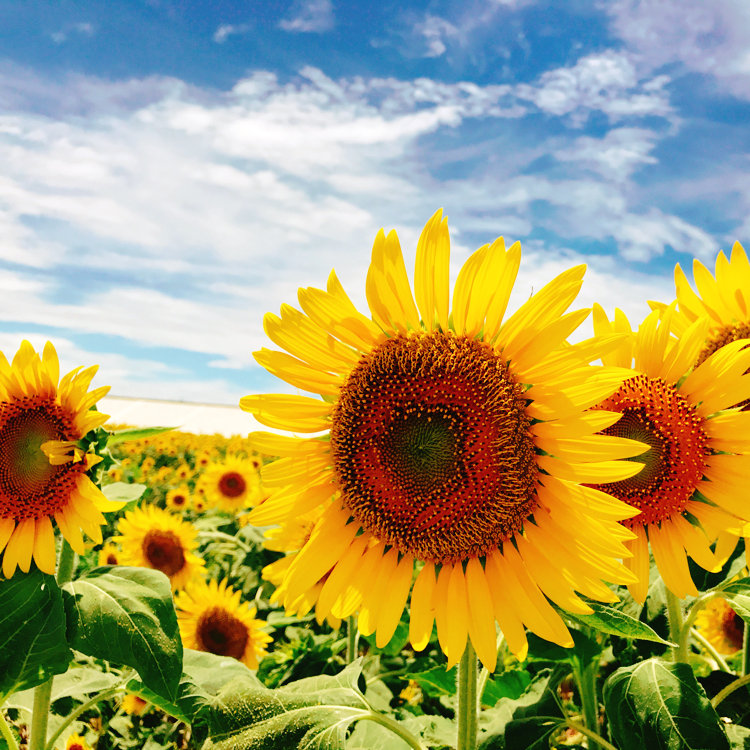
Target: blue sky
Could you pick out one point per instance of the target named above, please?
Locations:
(173, 170)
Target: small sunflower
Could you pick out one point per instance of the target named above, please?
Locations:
(43, 472)
(178, 498)
(722, 627)
(232, 484)
(109, 554)
(154, 538)
(212, 618)
(691, 488)
(457, 444)
(133, 704)
(76, 742)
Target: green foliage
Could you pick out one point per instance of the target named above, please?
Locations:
(135, 433)
(660, 704)
(126, 615)
(32, 631)
(614, 621)
(737, 593)
(123, 492)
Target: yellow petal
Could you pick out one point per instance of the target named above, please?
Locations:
(431, 272)
(395, 601)
(481, 614)
(44, 545)
(288, 412)
(671, 561)
(421, 615)
(20, 547)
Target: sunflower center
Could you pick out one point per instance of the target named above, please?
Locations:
(111, 559)
(178, 499)
(733, 627)
(655, 413)
(232, 484)
(29, 485)
(164, 551)
(721, 337)
(431, 447)
(221, 633)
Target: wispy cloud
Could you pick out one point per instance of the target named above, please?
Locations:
(225, 30)
(311, 16)
(83, 28)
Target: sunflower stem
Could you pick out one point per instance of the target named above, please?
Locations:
(585, 677)
(677, 634)
(6, 733)
(593, 736)
(43, 693)
(746, 649)
(729, 689)
(715, 655)
(351, 639)
(466, 713)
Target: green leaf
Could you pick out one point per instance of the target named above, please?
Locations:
(739, 737)
(124, 492)
(135, 433)
(436, 681)
(33, 646)
(126, 615)
(660, 704)
(204, 676)
(737, 593)
(704, 581)
(433, 730)
(510, 684)
(615, 622)
(368, 735)
(311, 714)
(532, 732)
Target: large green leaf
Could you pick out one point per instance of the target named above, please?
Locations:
(204, 676)
(614, 621)
(127, 616)
(33, 646)
(310, 714)
(660, 704)
(135, 433)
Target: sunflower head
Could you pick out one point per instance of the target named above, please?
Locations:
(154, 538)
(179, 498)
(721, 626)
(457, 441)
(46, 459)
(232, 484)
(109, 554)
(76, 742)
(133, 704)
(694, 460)
(212, 618)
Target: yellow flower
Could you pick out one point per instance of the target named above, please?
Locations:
(76, 742)
(153, 538)
(691, 488)
(456, 446)
(109, 554)
(133, 704)
(179, 498)
(35, 486)
(212, 618)
(232, 485)
(722, 627)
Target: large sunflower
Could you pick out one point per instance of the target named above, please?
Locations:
(36, 485)
(455, 448)
(151, 537)
(232, 484)
(212, 618)
(690, 491)
(721, 626)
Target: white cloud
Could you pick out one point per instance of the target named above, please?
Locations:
(435, 31)
(225, 30)
(309, 16)
(707, 37)
(82, 28)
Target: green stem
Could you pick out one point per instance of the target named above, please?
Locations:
(225, 537)
(729, 689)
(717, 657)
(7, 734)
(43, 693)
(103, 695)
(351, 639)
(467, 700)
(395, 727)
(597, 739)
(746, 650)
(586, 679)
(676, 634)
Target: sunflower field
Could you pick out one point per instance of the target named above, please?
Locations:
(466, 529)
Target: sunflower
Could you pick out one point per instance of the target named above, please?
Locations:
(232, 484)
(76, 742)
(690, 490)
(133, 704)
(178, 498)
(456, 447)
(109, 554)
(153, 538)
(212, 618)
(43, 473)
(722, 627)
